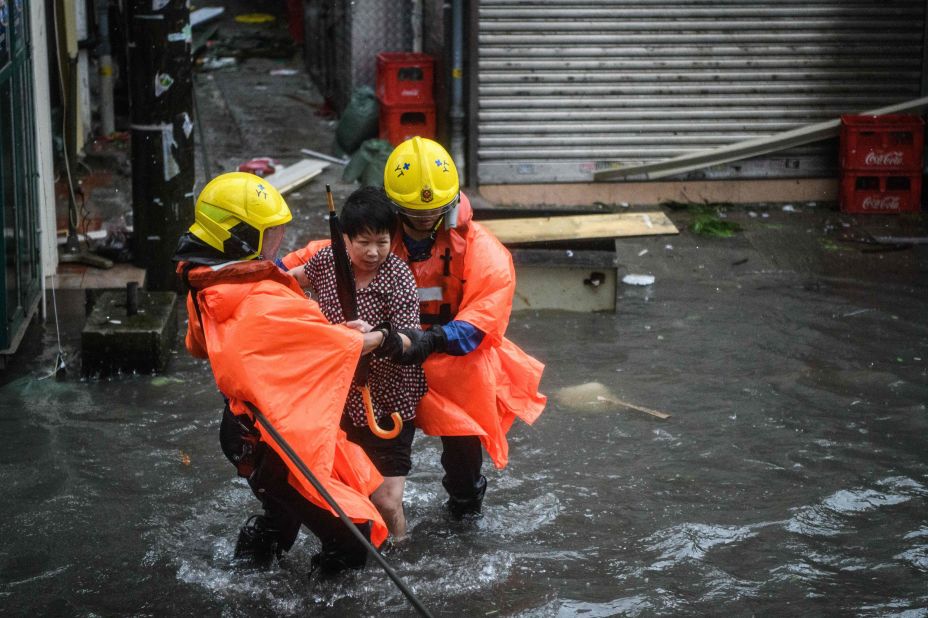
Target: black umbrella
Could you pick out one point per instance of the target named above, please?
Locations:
(344, 282)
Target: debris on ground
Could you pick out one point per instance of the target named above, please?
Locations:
(255, 18)
(359, 122)
(214, 64)
(638, 279)
(588, 397)
(259, 166)
(709, 224)
(252, 44)
(367, 163)
(577, 227)
(596, 397)
(321, 155)
(286, 179)
(205, 14)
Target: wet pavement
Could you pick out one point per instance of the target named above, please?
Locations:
(790, 480)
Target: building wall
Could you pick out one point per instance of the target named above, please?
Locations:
(45, 189)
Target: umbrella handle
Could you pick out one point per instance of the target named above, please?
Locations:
(372, 420)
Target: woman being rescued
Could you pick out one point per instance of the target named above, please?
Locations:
(387, 299)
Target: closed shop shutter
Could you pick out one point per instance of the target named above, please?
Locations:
(563, 85)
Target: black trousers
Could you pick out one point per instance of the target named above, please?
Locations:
(285, 507)
(462, 458)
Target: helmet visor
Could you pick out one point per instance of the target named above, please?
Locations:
(420, 215)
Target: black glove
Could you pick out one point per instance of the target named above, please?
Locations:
(391, 345)
(424, 343)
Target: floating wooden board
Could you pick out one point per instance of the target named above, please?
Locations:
(611, 225)
(296, 175)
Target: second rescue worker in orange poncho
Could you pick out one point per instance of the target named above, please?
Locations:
(270, 346)
(479, 382)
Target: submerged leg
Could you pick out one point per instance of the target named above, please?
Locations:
(462, 458)
(388, 498)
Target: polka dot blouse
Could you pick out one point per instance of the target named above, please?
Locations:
(390, 297)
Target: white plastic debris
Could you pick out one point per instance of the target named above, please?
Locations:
(638, 279)
(213, 64)
(789, 208)
(642, 252)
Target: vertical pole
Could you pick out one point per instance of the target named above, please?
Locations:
(105, 59)
(132, 298)
(472, 71)
(457, 89)
(160, 92)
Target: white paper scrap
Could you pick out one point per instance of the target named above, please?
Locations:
(638, 279)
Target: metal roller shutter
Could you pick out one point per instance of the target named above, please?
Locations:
(564, 84)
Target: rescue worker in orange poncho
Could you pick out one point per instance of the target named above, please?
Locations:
(478, 380)
(270, 346)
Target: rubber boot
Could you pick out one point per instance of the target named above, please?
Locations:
(340, 553)
(258, 542)
(461, 507)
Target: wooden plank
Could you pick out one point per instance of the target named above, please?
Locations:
(749, 148)
(625, 404)
(296, 175)
(610, 225)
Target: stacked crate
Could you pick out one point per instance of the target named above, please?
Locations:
(881, 163)
(404, 91)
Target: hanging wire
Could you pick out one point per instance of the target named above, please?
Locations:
(60, 363)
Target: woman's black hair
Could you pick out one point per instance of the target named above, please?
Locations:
(368, 210)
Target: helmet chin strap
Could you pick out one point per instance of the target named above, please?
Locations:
(451, 217)
(406, 220)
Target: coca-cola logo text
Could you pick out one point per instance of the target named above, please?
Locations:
(875, 157)
(881, 203)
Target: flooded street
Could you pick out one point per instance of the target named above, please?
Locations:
(791, 478)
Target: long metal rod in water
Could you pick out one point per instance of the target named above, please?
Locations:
(338, 509)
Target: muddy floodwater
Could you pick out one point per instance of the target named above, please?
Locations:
(791, 478)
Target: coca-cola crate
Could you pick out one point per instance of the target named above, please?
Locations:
(881, 192)
(894, 142)
(404, 78)
(398, 123)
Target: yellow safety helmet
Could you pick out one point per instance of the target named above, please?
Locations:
(421, 179)
(232, 212)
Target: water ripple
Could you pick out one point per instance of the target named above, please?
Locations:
(829, 517)
(692, 542)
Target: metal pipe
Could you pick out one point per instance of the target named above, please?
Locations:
(415, 19)
(457, 88)
(324, 157)
(132, 298)
(105, 67)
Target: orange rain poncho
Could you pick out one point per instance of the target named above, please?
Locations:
(269, 345)
(480, 393)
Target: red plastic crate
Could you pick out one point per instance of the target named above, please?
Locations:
(404, 78)
(398, 123)
(881, 192)
(894, 142)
